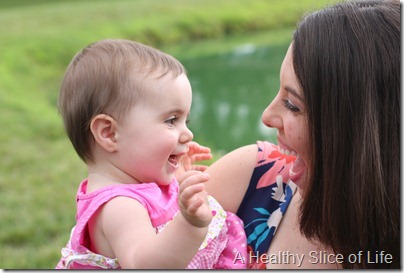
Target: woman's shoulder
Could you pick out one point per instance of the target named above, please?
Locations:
(246, 157)
(230, 175)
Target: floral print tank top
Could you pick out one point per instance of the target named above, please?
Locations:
(266, 200)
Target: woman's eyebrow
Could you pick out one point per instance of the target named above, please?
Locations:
(293, 92)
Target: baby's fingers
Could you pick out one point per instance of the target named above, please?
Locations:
(201, 156)
(193, 203)
(191, 193)
(200, 168)
(192, 188)
(194, 206)
(196, 148)
(191, 178)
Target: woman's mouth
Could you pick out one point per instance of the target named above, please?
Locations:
(297, 170)
(287, 152)
(299, 166)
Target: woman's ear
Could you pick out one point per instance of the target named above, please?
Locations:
(103, 128)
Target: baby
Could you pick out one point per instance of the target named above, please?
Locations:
(125, 108)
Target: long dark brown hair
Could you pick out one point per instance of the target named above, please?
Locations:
(347, 60)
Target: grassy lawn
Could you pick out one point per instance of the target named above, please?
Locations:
(39, 170)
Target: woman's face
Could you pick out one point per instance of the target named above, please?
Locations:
(287, 114)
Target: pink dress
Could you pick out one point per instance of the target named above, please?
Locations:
(223, 248)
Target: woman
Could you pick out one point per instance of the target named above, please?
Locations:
(337, 113)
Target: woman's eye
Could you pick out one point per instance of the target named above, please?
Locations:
(288, 105)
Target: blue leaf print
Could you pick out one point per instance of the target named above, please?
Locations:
(257, 231)
(283, 206)
(256, 220)
(262, 211)
(261, 238)
(289, 192)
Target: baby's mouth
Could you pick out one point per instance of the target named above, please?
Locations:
(173, 159)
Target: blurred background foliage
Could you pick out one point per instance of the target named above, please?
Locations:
(232, 50)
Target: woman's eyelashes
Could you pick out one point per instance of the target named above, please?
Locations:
(288, 105)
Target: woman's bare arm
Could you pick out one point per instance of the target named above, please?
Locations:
(230, 176)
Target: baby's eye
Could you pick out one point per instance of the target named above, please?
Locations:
(171, 120)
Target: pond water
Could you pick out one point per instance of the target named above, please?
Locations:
(230, 92)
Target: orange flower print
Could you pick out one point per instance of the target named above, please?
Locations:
(275, 154)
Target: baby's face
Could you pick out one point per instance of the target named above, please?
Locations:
(153, 135)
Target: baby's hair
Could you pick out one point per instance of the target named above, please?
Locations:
(107, 77)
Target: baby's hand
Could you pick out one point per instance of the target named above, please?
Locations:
(195, 153)
(192, 198)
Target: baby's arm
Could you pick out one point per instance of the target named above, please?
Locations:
(130, 237)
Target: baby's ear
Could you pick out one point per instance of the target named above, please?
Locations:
(103, 128)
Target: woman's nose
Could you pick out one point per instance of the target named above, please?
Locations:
(271, 116)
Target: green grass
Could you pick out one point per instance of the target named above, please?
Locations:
(39, 171)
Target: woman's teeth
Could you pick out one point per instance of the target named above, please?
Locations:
(287, 152)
